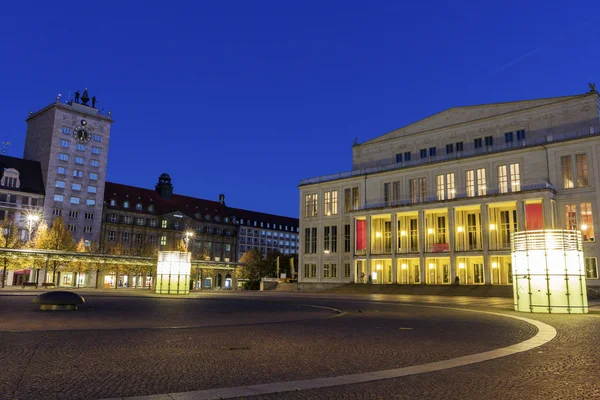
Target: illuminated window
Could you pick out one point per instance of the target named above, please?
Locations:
(591, 267)
(93, 176)
(567, 171)
(61, 170)
(76, 186)
(450, 187)
(64, 143)
(163, 223)
(355, 198)
(481, 184)
(311, 204)
(79, 160)
(330, 202)
(163, 241)
(63, 157)
(92, 189)
(126, 204)
(77, 173)
(571, 217)
(94, 163)
(112, 235)
(412, 187)
(439, 179)
(65, 130)
(423, 189)
(502, 179)
(59, 184)
(58, 197)
(95, 150)
(587, 223)
(90, 202)
(582, 170)
(470, 180)
(80, 147)
(515, 177)
(75, 200)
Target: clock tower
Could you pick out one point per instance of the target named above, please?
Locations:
(70, 141)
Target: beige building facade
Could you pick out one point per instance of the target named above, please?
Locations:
(437, 201)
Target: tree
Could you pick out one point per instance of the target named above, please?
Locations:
(56, 238)
(80, 266)
(255, 267)
(181, 246)
(9, 239)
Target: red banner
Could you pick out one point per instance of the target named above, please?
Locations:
(534, 217)
(361, 234)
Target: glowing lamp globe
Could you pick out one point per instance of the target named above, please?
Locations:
(549, 272)
(173, 272)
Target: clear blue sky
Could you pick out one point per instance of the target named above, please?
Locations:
(248, 97)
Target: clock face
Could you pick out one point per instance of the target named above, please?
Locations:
(82, 134)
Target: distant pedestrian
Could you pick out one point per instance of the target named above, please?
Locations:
(457, 280)
(362, 277)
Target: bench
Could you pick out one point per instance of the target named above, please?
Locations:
(24, 284)
(48, 284)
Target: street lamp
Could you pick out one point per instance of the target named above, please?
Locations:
(188, 236)
(32, 219)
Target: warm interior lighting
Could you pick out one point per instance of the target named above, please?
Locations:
(584, 227)
(328, 213)
(494, 265)
(549, 272)
(377, 234)
(459, 229)
(378, 266)
(461, 265)
(430, 231)
(431, 266)
(326, 251)
(173, 272)
(404, 266)
(492, 227)
(402, 233)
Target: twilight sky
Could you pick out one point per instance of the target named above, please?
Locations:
(248, 97)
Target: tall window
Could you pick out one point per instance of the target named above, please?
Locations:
(422, 189)
(587, 223)
(571, 216)
(326, 270)
(387, 187)
(327, 203)
(450, 148)
(489, 140)
(334, 202)
(355, 198)
(470, 180)
(307, 240)
(311, 204)
(334, 239)
(347, 270)
(567, 171)
(502, 178)
(481, 187)
(346, 238)
(450, 186)
(313, 240)
(347, 200)
(439, 179)
(582, 169)
(326, 239)
(412, 185)
(515, 177)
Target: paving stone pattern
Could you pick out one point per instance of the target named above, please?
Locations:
(256, 339)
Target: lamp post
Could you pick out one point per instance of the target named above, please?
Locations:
(188, 236)
(31, 220)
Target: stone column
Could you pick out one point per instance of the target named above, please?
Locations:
(394, 247)
(485, 234)
(421, 227)
(451, 246)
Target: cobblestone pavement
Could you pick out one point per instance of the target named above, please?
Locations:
(110, 349)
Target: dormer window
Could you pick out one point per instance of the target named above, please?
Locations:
(10, 178)
(217, 218)
(138, 207)
(207, 217)
(151, 208)
(197, 215)
(113, 202)
(126, 204)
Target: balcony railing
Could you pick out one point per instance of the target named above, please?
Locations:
(539, 138)
(457, 195)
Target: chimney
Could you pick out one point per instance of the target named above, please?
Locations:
(222, 198)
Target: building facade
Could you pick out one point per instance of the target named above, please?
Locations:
(70, 141)
(266, 233)
(21, 199)
(437, 201)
